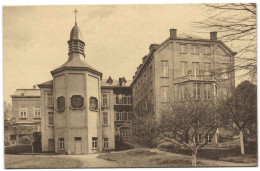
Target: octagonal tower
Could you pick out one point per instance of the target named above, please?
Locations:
(77, 93)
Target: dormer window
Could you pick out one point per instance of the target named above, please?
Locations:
(109, 80)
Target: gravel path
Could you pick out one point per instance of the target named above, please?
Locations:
(91, 161)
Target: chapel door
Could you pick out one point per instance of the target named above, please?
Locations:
(77, 145)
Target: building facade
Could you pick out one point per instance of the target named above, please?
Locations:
(181, 67)
(117, 103)
(26, 119)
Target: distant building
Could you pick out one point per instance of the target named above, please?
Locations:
(181, 66)
(26, 108)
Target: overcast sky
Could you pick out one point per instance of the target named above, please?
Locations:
(116, 38)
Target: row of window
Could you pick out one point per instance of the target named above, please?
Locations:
(94, 143)
(144, 80)
(145, 105)
(120, 99)
(123, 116)
(195, 68)
(23, 111)
(198, 89)
(195, 49)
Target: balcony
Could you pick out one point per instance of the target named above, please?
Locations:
(193, 78)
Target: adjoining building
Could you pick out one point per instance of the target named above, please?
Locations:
(26, 119)
(117, 104)
(180, 66)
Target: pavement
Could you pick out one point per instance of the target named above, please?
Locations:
(91, 161)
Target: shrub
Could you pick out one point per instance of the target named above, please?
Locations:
(18, 149)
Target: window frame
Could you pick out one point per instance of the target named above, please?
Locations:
(49, 116)
(125, 132)
(107, 99)
(194, 49)
(197, 91)
(207, 50)
(207, 91)
(23, 112)
(165, 94)
(184, 68)
(37, 109)
(61, 144)
(50, 100)
(195, 69)
(105, 114)
(207, 70)
(105, 143)
(94, 142)
(164, 68)
(183, 50)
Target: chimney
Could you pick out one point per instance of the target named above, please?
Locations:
(153, 46)
(144, 59)
(34, 86)
(213, 35)
(173, 33)
(122, 81)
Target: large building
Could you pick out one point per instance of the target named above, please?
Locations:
(182, 66)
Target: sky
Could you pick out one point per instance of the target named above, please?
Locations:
(116, 37)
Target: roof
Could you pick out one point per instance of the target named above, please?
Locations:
(115, 83)
(46, 84)
(190, 36)
(182, 36)
(27, 93)
(76, 33)
(76, 63)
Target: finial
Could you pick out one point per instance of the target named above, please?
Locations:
(75, 16)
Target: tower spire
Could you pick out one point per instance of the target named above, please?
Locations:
(75, 16)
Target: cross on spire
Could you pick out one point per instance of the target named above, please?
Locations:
(75, 16)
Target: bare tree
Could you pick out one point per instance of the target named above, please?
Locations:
(242, 108)
(236, 23)
(190, 123)
(7, 121)
(144, 127)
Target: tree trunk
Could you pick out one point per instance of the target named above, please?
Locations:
(32, 147)
(242, 142)
(194, 158)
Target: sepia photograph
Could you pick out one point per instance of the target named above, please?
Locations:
(130, 85)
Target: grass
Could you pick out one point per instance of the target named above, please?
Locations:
(39, 161)
(146, 158)
(225, 154)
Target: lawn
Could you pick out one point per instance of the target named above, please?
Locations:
(39, 161)
(146, 158)
(221, 154)
(157, 158)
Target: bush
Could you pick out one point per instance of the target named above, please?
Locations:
(18, 149)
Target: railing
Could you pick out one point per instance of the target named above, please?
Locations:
(194, 78)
